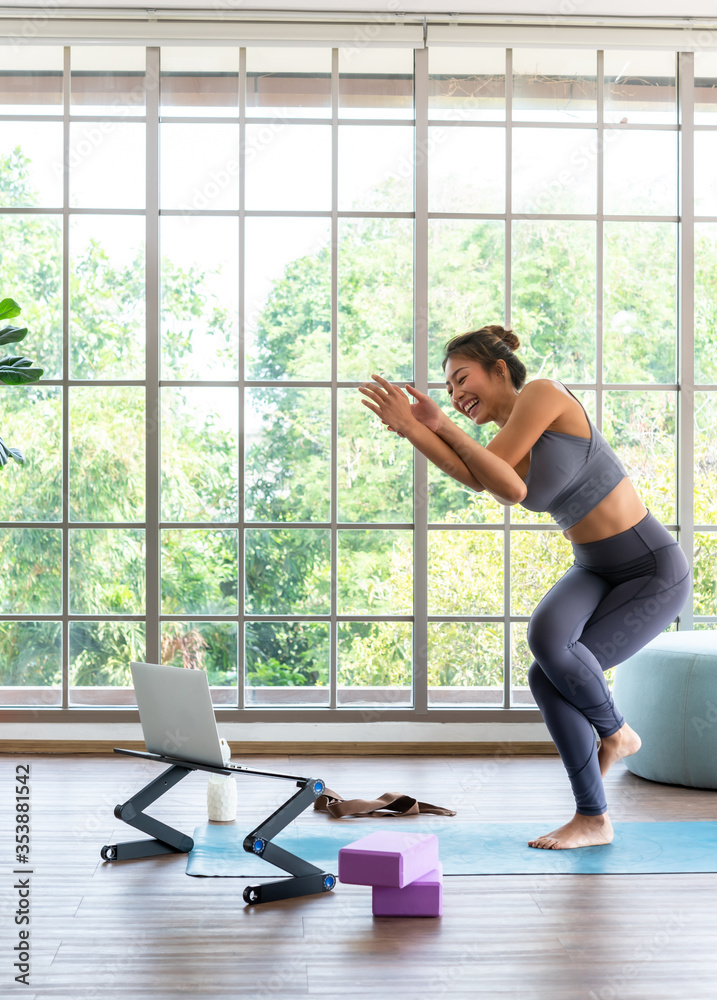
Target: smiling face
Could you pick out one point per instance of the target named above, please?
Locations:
(478, 394)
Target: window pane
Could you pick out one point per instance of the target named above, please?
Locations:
(640, 304)
(705, 579)
(642, 427)
(537, 560)
(705, 462)
(288, 167)
(288, 454)
(200, 304)
(31, 420)
(199, 571)
(466, 169)
(199, 166)
(465, 572)
(375, 83)
(107, 80)
(31, 80)
(554, 310)
(640, 87)
(376, 168)
(32, 275)
(375, 664)
(554, 170)
(287, 298)
(641, 173)
(30, 571)
(31, 663)
(466, 282)
(199, 440)
(288, 82)
(375, 298)
(706, 303)
(107, 297)
(287, 571)
(705, 182)
(107, 165)
(465, 663)
(107, 453)
(100, 655)
(705, 88)
(199, 81)
(375, 572)
(31, 164)
(287, 663)
(107, 571)
(554, 85)
(208, 646)
(375, 467)
(466, 84)
(520, 514)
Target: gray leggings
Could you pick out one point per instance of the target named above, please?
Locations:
(620, 593)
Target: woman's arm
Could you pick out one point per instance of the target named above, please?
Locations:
(497, 476)
(536, 408)
(394, 409)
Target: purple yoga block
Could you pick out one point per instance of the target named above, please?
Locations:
(392, 859)
(422, 898)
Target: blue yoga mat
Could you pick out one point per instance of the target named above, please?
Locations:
(473, 848)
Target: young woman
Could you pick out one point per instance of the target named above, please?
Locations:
(630, 578)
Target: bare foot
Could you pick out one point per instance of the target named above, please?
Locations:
(623, 743)
(581, 831)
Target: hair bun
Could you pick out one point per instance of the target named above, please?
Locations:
(507, 336)
(510, 339)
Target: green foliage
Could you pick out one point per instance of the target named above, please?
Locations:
(287, 654)
(14, 369)
(287, 468)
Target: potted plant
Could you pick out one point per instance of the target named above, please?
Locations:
(14, 370)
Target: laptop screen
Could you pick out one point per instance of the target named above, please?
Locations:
(176, 712)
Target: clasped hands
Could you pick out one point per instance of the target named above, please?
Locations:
(396, 410)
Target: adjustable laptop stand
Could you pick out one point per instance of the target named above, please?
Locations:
(307, 878)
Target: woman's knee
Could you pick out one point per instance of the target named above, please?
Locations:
(536, 676)
(541, 636)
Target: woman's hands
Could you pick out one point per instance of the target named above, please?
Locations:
(395, 409)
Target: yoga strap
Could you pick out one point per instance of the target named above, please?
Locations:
(387, 804)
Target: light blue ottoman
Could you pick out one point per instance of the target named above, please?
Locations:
(667, 692)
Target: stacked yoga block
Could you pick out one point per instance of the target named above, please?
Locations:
(403, 870)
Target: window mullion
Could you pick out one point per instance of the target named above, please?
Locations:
(65, 379)
(686, 320)
(152, 278)
(420, 375)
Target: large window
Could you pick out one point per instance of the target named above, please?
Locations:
(213, 247)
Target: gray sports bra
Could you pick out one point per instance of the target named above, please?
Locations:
(570, 475)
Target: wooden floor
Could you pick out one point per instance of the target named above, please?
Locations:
(144, 930)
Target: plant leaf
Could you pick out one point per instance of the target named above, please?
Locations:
(15, 361)
(18, 371)
(20, 376)
(9, 308)
(12, 334)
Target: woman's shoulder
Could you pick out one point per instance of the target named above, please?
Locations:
(545, 388)
(564, 411)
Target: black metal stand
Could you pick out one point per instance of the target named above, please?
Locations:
(307, 878)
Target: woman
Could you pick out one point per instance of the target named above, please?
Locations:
(630, 578)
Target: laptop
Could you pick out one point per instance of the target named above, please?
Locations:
(177, 715)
